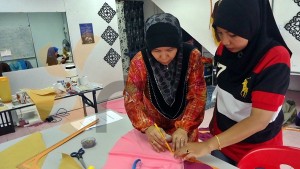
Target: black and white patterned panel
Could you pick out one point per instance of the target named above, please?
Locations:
(106, 12)
(112, 57)
(122, 35)
(109, 35)
(294, 26)
(297, 2)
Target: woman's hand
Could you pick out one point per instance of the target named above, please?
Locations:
(193, 150)
(179, 139)
(155, 138)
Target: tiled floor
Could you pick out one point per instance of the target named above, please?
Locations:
(291, 138)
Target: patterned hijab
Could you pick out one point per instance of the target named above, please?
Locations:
(163, 30)
(254, 21)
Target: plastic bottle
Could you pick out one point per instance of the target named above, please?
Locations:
(5, 91)
(71, 74)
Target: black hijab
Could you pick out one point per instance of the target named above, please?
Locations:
(167, 84)
(163, 30)
(254, 21)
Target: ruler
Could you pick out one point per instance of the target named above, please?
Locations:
(32, 163)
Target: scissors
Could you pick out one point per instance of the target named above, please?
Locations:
(78, 155)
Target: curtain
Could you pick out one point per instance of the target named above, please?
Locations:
(131, 29)
(134, 22)
(122, 35)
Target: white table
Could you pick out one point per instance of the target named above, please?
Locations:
(7, 119)
(106, 136)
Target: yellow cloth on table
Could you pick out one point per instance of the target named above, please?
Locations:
(21, 151)
(43, 99)
(4, 107)
(68, 162)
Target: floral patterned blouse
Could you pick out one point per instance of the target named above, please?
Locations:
(142, 112)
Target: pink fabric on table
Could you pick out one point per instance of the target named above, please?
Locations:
(134, 145)
(116, 105)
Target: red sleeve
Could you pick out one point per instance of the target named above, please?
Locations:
(133, 94)
(272, 79)
(196, 96)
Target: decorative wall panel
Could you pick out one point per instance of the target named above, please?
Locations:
(294, 26)
(106, 12)
(110, 35)
(112, 57)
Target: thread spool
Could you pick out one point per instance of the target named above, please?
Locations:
(5, 92)
(88, 142)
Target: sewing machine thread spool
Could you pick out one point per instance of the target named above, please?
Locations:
(5, 92)
(88, 142)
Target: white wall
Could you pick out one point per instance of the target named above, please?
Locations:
(88, 57)
(150, 8)
(284, 11)
(194, 18)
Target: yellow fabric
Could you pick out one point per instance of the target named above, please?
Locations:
(68, 128)
(43, 99)
(21, 151)
(68, 162)
(4, 107)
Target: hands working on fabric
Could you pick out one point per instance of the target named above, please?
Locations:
(193, 150)
(253, 57)
(178, 139)
(166, 86)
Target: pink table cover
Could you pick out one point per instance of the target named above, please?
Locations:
(134, 145)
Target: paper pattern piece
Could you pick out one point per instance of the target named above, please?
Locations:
(21, 151)
(134, 145)
(68, 162)
(43, 99)
(104, 118)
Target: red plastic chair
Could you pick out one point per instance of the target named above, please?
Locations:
(271, 158)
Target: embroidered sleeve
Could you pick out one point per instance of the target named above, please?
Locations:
(196, 96)
(133, 94)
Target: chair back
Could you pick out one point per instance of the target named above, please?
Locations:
(271, 158)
